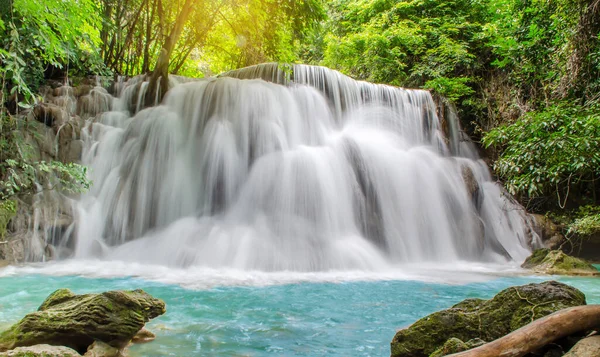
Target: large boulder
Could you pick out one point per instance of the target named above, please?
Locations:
(487, 320)
(546, 261)
(76, 321)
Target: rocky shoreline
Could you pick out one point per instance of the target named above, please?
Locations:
(473, 322)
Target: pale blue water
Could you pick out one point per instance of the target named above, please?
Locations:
(351, 318)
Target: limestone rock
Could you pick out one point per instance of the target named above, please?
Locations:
(143, 336)
(587, 347)
(101, 349)
(488, 320)
(77, 321)
(550, 233)
(41, 351)
(471, 184)
(546, 261)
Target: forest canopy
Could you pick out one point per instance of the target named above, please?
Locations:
(524, 74)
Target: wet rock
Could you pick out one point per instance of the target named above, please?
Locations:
(101, 349)
(143, 336)
(76, 321)
(50, 114)
(41, 351)
(471, 184)
(550, 234)
(556, 262)
(488, 320)
(96, 102)
(12, 250)
(587, 347)
(63, 90)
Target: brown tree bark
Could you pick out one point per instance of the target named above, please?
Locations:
(161, 70)
(539, 333)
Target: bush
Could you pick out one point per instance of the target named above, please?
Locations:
(553, 150)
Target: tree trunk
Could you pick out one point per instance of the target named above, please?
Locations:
(161, 70)
(539, 333)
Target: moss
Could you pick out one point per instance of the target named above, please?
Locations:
(536, 258)
(77, 321)
(453, 345)
(488, 320)
(57, 297)
(556, 262)
(8, 211)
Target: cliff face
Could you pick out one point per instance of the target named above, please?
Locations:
(39, 226)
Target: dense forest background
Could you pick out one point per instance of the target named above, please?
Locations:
(524, 75)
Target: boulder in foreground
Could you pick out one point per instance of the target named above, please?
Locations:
(76, 321)
(487, 320)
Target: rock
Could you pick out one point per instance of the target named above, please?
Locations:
(546, 261)
(143, 336)
(472, 185)
(453, 345)
(550, 234)
(101, 349)
(587, 347)
(41, 351)
(488, 320)
(50, 114)
(63, 90)
(76, 321)
(13, 249)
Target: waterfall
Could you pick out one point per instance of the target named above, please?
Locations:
(297, 168)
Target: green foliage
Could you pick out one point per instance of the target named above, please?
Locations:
(42, 33)
(584, 221)
(586, 226)
(549, 151)
(27, 177)
(432, 44)
(8, 209)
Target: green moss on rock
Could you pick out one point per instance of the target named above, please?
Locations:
(488, 320)
(76, 321)
(453, 345)
(547, 261)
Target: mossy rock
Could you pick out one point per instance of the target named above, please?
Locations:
(488, 320)
(76, 321)
(556, 262)
(454, 345)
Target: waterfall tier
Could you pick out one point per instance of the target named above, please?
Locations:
(300, 169)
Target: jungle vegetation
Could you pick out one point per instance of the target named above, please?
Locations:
(524, 74)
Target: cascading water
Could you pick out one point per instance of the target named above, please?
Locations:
(303, 170)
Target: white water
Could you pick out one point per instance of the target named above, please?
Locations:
(317, 173)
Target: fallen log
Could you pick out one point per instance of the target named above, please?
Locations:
(539, 333)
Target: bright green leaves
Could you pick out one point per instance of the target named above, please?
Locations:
(38, 33)
(432, 44)
(22, 177)
(548, 150)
